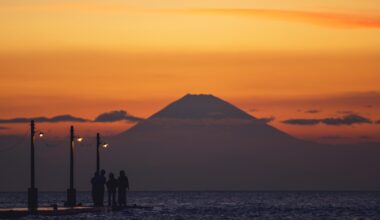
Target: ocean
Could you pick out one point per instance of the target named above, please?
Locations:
(222, 205)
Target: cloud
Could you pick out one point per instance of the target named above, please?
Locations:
(377, 122)
(346, 120)
(55, 119)
(118, 115)
(3, 128)
(300, 121)
(313, 111)
(345, 112)
(104, 117)
(68, 118)
(331, 19)
(267, 119)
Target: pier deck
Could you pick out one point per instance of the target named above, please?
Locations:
(14, 213)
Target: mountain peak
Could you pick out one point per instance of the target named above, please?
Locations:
(189, 95)
(201, 106)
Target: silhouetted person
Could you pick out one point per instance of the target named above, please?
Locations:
(98, 182)
(102, 182)
(111, 188)
(94, 189)
(123, 186)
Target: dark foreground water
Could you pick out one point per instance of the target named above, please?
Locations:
(225, 205)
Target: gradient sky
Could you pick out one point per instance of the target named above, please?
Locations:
(271, 58)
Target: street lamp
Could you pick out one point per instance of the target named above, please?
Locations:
(33, 191)
(98, 144)
(71, 192)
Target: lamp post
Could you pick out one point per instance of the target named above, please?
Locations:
(33, 191)
(98, 143)
(71, 192)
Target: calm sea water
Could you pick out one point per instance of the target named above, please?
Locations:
(224, 205)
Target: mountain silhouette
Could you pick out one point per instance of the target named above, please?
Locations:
(207, 112)
(201, 142)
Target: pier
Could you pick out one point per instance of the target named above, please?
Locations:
(15, 213)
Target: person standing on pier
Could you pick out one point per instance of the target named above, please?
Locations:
(111, 188)
(94, 191)
(123, 186)
(98, 182)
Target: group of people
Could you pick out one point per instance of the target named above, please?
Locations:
(119, 185)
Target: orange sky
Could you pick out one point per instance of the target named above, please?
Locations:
(279, 58)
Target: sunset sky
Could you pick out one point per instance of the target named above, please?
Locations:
(285, 60)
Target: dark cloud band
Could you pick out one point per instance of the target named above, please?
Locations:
(267, 119)
(55, 119)
(104, 117)
(113, 116)
(346, 120)
(301, 121)
(313, 111)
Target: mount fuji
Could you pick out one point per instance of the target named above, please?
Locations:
(201, 142)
